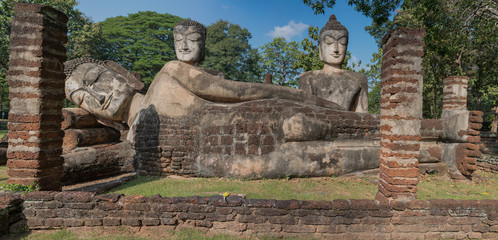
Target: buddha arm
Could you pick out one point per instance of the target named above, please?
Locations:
(214, 88)
(362, 104)
(304, 83)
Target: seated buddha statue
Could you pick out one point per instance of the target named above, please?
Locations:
(219, 127)
(346, 88)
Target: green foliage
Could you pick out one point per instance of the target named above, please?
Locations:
(141, 42)
(280, 58)
(309, 58)
(228, 50)
(461, 40)
(19, 187)
(319, 6)
(378, 10)
(373, 75)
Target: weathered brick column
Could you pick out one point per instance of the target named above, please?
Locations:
(455, 93)
(401, 112)
(36, 81)
(461, 128)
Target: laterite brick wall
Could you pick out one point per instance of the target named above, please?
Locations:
(337, 219)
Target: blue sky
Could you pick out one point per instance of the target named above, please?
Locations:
(265, 19)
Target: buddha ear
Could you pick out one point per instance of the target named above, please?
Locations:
(320, 53)
(134, 78)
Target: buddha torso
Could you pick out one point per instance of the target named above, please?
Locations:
(344, 87)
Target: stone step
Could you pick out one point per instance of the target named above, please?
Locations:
(102, 185)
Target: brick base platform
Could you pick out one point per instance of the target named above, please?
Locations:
(337, 219)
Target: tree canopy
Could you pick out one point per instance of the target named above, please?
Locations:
(309, 58)
(228, 50)
(141, 42)
(279, 58)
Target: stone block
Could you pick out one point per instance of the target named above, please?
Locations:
(298, 229)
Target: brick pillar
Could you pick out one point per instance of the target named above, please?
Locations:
(36, 81)
(455, 93)
(400, 114)
(461, 127)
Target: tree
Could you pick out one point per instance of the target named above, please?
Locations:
(461, 40)
(141, 42)
(373, 75)
(309, 58)
(280, 58)
(378, 10)
(228, 50)
(78, 25)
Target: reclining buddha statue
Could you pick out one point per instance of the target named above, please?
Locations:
(191, 121)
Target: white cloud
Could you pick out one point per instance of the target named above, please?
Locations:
(288, 31)
(354, 60)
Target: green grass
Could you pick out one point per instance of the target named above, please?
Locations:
(126, 234)
(3, 175)
(3, 132)
(302, 189)
(68, 235)
(3, 127)
(430, 187)
(438, 187)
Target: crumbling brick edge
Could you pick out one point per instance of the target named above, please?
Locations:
(363, 219)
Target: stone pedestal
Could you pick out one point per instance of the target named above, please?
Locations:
(401, 112)
(36, 81)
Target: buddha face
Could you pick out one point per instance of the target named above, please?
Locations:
(333, 46)
(99, 90)
(189, 44)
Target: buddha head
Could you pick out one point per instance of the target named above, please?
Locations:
(333, 42)
(190, 41)
(103, 88)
